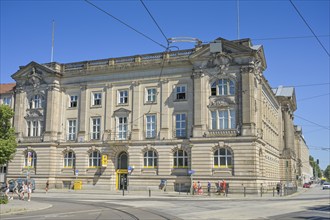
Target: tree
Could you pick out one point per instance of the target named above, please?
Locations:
(7, 135)
(326, 173)
(316, 169)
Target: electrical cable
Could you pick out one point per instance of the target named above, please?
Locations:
(117, 19)
(309, 27)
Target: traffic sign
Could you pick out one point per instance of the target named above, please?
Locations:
(76, 172)
(130, 169)
(191, 172)
(104, 160)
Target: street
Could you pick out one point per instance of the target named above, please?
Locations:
(310, 203)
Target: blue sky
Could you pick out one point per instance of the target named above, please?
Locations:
(83, 32)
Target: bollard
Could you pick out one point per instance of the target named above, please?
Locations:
(123, 191)
(244, 192)
(149, 193)
(261, 191)
(273, 191)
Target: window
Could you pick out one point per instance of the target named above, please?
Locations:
(151, 95)
(222, 158)
(150, 159)
(97, 98)
(123, 97)
(94, 159)
(180, 126)
(181, 92)
(72, 129)
(223, 87)
(150, 126)
(69, 160)
(180, 159)
(34, 128)
(96, 128)
(37, 101)
(73, 101)
(122, 128)
(7, 101)
(223, 119)
(30, 159)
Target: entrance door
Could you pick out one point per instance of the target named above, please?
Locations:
(122, 171)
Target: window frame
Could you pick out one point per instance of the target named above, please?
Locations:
(223, 119)
(180, 128)
(94, 159)
(33, 159)
(218, 156)
(69, 158)
(122, 97)
(223, 87)
(150, 160)
(122, 127)
(179, 92)
(6, 101)
(37, 101)
(152, 131)
(152, 96)
(72, 135)
(96, 99)
(177, 158)
(95, 133)
(34, 127)
(73, 102)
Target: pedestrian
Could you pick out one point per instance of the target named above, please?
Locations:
(224, 187)
(209, 188)
(7, 190)
(200, 190)
(47, 186)
(23, 190)
(278, 188)
(15, 190)
(194, 187)
(29, 191)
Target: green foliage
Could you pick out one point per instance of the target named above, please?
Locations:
(3, 199)
(7, 135)
(326, 173)
(316, 169)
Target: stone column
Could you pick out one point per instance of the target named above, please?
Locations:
(248, 106)
(200, 104)
(108, 111)
(20, 112)
(164, 110)
(52, 113)
(136, 112)
(82, 134)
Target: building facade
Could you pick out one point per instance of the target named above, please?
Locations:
(202, 114)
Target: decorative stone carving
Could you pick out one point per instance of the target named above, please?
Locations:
(34, 78)
(221, 102)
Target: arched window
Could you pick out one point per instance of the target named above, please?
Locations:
(150, 159)
(123, 160)
(69, 160)
(37, 101)
(30, 159)
(94, 159)
(223, 87)
(223, 158)
(180, 159)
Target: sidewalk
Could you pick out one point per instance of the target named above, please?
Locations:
(17, 206)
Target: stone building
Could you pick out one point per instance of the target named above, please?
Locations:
(141, 119)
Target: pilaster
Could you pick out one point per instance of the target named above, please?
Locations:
(164, 110)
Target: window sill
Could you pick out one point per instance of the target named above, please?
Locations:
(96, 106)
(180, 100)
(150, 103)
(122, 104)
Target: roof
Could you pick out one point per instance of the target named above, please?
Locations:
(7, 88)
(284, 91)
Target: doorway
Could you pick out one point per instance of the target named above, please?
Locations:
(122, 171)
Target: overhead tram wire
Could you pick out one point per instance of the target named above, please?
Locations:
(309, 27)
(120, 21)
(289, 38)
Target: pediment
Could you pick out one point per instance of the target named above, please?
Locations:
(122, 112)
(34, 74)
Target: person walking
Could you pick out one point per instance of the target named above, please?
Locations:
(23, 190)
(29, 191)
(47, 186)
(209, 188)
(15, 190)
(200, 190)
(224, 186)
(194, 188)
(278, 188)
(7, 190)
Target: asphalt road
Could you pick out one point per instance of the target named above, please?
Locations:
(310, 204)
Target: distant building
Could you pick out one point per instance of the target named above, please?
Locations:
(141, 119)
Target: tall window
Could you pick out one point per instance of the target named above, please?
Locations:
(222, 158)
(150, 159)
(123, 97)
(37, 101)
(122, 128)
(72, 129)
(73, 101)
(181, 91)
(69, 160)
(223, 87)
(96, 128)
(180, 159)
(223, 119)
(34, 128)
(97, 99)
(150, 126)
(30, 159)
(151, 95)
(7, 101)
(94, 159)
(180, 125)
